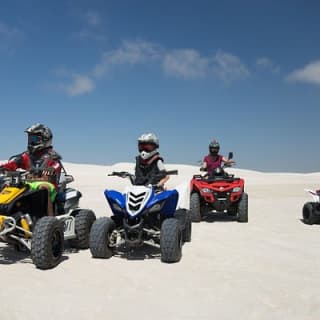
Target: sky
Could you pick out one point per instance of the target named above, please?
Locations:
(100, 73)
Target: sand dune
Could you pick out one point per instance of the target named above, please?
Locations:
(266, 269)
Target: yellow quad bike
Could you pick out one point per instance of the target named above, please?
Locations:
(24, 222)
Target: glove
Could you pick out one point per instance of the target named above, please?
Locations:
(48, 171)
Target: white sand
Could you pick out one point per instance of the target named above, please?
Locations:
(266, 269)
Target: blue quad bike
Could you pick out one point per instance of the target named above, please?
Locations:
(143, 213)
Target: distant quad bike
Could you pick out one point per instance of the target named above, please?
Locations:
(140, 214)
(311, 210)
(24, 222)
(219, 193)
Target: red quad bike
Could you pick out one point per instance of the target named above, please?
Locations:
(219, 193)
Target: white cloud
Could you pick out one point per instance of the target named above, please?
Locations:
(8, 32)
(228, 67)
(86, 34)
(9, 37)
(130, 52)
(93, 18)
(81, 84)
(308, 74)
(185, 63)
(266, 63)
(180, 63)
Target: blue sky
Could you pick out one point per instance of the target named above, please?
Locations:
(100, 73)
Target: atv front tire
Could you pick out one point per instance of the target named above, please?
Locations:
(195, 207)
(47, 243)
(308, 213)
(170, 240)
(83, 223)
(243, 208)
(184, 217)
(100, 234)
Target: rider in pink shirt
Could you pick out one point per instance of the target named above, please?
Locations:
(214, 160)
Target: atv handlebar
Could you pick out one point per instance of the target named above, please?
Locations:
(122, 174)
(125, 174)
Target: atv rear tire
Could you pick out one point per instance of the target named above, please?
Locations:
(101, 231)
(83, 223)
(47, 243)
(170, 240)
(243, 208)
(308, 213)
(195, 207)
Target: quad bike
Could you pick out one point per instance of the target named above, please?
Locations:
(140, 214)
(221, 193)
(311, 210)
(24, 222)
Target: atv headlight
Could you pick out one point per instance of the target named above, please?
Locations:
(116, 206)
(236, 189)
(206, 190)
(157, 207)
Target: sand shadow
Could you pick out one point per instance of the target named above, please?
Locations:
(11, 255)
(144, 252)
(308, 224)
(211, 217)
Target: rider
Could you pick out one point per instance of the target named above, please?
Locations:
(149, 167)
(214, 160)
(41, 161)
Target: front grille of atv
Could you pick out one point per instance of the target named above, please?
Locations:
(135, 201)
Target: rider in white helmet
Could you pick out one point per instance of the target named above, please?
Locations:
(149, 164)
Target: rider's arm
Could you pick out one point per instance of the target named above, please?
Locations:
(162, 168)
(52, 172)
(227, 161)
(204, 165)
(19, 161)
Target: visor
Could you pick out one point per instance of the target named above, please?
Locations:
(146, 146)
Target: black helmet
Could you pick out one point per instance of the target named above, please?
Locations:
(214, 147)
(39, 137)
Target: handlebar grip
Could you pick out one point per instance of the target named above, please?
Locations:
(171, 172)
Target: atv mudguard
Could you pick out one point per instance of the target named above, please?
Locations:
(33, 202)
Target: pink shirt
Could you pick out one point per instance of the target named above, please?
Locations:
(212, 163)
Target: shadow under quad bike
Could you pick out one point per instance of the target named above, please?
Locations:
(219, 193)
(24, 222)
(144, 213)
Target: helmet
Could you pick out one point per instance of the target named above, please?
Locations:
(148, 145)
(39, 137)
(214, 147)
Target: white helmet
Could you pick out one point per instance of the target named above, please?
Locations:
(148, 145)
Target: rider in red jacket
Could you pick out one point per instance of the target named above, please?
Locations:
(42, 162)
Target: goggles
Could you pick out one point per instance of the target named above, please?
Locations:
(34, 139)
(146, 146)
